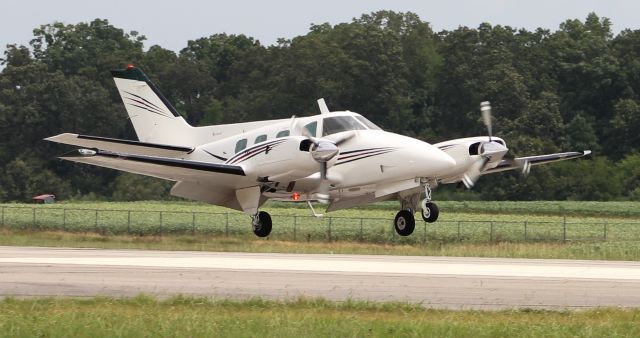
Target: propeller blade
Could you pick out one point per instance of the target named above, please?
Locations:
(473, 174)
(485, 108)
(323, 171)
(345, 138)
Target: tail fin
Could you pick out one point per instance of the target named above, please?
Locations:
(154, 119)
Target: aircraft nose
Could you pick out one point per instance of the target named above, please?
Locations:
(439, 163)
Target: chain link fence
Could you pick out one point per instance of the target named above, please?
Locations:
(307, 228)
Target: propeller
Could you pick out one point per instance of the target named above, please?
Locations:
(487, 150)
(322, 151)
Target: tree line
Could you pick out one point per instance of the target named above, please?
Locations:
(574, 88)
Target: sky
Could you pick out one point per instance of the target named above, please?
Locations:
(172, 24)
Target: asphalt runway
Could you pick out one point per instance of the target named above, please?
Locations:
(439, 282)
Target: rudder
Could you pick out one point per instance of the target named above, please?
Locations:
(154, 118)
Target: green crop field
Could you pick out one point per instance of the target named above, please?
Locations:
(195, 317)
(459, 221)
(486, 229)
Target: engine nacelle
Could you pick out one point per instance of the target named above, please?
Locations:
(466, 152)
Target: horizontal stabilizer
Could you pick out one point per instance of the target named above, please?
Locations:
(121, 146)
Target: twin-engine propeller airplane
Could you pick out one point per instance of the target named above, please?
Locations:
(339, 158)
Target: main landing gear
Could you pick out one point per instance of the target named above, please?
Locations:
(405, 222)
(261, 223)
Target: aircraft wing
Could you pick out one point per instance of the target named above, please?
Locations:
(162, 167)
(121, 146)
(518, 162)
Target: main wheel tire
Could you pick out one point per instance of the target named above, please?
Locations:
(262, 225)
(404, 223)
(430, 212)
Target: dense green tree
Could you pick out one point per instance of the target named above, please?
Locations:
(574, 88)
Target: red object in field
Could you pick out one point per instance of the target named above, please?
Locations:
(130, 66)
(295, 196)
(44, 199)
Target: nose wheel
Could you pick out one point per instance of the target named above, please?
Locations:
(261, 224)
(404, 223)
(430, 211)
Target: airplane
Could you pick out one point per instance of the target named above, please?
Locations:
(339, 158)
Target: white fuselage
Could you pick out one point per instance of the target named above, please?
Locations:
(374, 161)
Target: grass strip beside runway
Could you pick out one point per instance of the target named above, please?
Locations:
(627, 250)
(144, 316)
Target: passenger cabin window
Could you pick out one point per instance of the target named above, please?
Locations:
(283, 133)
(312, 128)
(240, 145)
(336, 124)
(260, 138)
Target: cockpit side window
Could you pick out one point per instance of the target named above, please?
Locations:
(240, 145)
(336, 124)
(312, 128)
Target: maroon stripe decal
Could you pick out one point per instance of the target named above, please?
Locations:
(148, 106)
(364, 153)
(142, 98)
(147, 109)
(366, 156)
(251, 151)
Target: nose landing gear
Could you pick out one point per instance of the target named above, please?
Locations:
(430, 210)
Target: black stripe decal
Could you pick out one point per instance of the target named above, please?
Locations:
(256, 153)
(147, 109)
(147, 105)
(176, 163)
(254, 150)
(364, 153)
(216, 156)
(163, 99)
(142, 98)
(135, 143)
(367, 149)
(363, 157)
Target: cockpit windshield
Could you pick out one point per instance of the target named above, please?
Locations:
(367, 123)
(336, 124)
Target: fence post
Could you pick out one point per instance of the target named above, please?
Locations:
(491, 233)
(95, 224)
(525, 229)
(295, 222)
(128, 222)
(329, 229)
(226, 223)
(193, 223)
(161, 219)
(424, 240)
(33, 222)
(64, 219)
(564, 229)
(605, 230)
(3, 215)
(459, 238)
(361, 233)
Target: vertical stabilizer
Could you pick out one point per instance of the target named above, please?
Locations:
(154, 119)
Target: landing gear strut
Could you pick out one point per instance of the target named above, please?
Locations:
(430, 210)
(261, 223)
